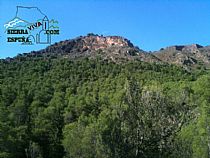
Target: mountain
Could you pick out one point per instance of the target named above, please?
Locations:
(120, 49)
(114, 48)
(185, 55)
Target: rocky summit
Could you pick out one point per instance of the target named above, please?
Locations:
(113, 48)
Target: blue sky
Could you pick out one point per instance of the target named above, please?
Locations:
(149, 24)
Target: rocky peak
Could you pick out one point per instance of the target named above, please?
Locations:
(95, 42)
(115, 48)
(191, 48)
(185, 55)
(90, 43)
(106, 41)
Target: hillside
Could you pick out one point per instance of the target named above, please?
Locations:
(102, 97)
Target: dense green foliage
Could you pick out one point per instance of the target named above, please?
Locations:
(54, 108)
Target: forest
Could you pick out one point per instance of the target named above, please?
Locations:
(94, 108)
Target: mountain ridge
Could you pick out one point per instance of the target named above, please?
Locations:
(118, 49)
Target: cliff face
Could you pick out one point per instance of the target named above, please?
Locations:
(100, 42)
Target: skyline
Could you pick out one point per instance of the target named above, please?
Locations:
(150, 25)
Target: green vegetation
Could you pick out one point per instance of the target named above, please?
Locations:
(54, 108)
